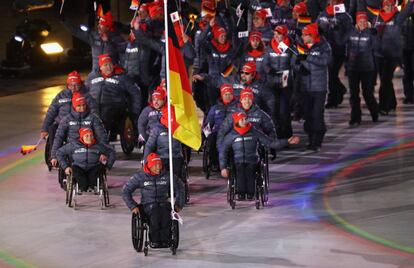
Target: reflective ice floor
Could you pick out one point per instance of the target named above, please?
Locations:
(350, 205)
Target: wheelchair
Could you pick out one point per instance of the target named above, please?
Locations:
(127, 132)
(48, 146)
(208, 146)
(140, 233)
(101, 186)
(261, 185)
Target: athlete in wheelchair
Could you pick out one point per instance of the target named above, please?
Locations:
(88, 158)
(68, 130)
(212, 123)
(153, 215)
(113, 91)
(61, 107)
(243, 142)
(158, 143)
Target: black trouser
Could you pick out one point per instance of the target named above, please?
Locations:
(367, 81)
(336, 88)
(386, 67)
(159, 215)
(408, 78)
(245, 178)
(283, 117)
(51, 130)
(86, 178)
(111, 116)
(200, 96)
(211, 143)
(314, 124)
(178, 164)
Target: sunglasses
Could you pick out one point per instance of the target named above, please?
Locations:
(245, 73)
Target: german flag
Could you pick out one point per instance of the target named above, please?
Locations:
(27, 149)
(188, 129)
(300, 49)
(304, 19)
(229, 69)
(373, 11)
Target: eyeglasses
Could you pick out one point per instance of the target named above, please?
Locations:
(245, 73)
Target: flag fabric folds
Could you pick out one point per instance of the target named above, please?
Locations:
(27, 149)
(188, 130)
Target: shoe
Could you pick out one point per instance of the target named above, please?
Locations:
(64, 185)
(241, 197)
(250, 197)
(331, 105)
(314, 148)
(374, 118)
(382, 112)
(408, 101)
(155, 245)
(354, 123)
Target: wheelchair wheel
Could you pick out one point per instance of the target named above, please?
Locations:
(127, 136)
(47, 154)
(62, 178)
(206, 159)
(265, 178)
(103, 190)
(231, 194)
(137, 232)
(70, 192)
(175, 237)
(186, 183)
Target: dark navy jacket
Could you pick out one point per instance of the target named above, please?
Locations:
(259, 118)
(148, 119)
(244, 147)
(314, 77)
(83, 156)
(117, 90)
(69, 129)
(62, 105)
(158, 143)
(154, 189)
(218, 113)
(360, 51)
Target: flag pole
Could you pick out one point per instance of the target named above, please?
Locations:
(168, 85)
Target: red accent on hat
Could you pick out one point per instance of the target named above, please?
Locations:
(83, 131)
(104, 58)
(218, 31)
(156, 10)
(392, 2)
(249, 67)
(246, 93)
(210, 4)
(238, 116)
(300, 8)
(152, 160)
(74, 77)
(226, 88)
(107, 20)
(280, 2)
(282, 29)
(261, 13)
(78, 99)
(361, 15)
(255, 35)
(159, 94)
(311, 29)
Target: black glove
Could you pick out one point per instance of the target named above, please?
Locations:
(303, 70)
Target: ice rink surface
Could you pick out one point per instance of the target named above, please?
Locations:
(350, 205)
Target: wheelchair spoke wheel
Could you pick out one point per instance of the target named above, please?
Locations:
(47, 155)
(128, 137)
(69, 190)
(137, 233)
(105, 190)
(206, 160)
(175, 236)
